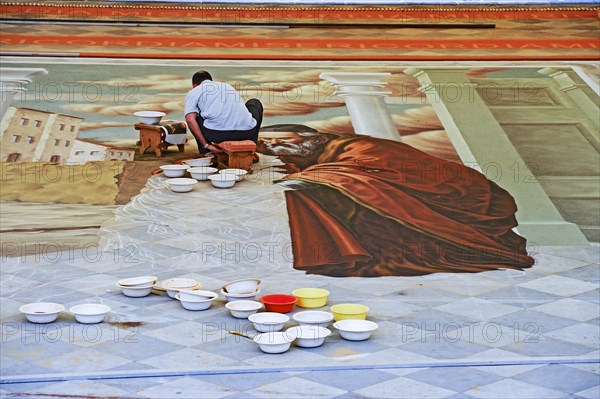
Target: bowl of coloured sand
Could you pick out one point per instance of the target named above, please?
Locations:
(311, 297)
(344, 311)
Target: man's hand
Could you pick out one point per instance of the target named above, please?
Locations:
(192, 124)
(213, 148)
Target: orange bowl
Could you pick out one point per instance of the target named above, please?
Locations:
(280, 303)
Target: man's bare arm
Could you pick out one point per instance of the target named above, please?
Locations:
(195, 129)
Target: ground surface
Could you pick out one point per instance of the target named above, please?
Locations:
(500, 334)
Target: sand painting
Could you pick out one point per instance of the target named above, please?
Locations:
(348, 187)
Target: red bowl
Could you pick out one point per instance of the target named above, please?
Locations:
(280, 303)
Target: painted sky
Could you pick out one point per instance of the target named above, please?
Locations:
(106, 96)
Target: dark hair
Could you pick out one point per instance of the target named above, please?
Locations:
(200, 77)
(288, 127)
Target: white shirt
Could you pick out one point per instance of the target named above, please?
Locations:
(220, 105)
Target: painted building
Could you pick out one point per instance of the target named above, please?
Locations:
(119, 154)
(30, 135)
(87, 151)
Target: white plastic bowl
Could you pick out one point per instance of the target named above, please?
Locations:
(149, 117)
(89, 313)
(243, 309)
(202, 304)
(41, 312)
(194, 163)
(240, 297)
(174, 170)
(196, 295)
(242, 286)
(268, 321)
(313, 318)
(181, 184)
(136, 292)
(355, 329)
(275, 342)
(238, 173)
(141, 281)
(173, 285)
(222, 181)
(310, 336)
(202, 172)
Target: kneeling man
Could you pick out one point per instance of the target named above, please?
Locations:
(214, 113)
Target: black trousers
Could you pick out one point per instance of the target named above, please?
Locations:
(255, 108)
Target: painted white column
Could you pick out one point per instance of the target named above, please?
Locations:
(365, 101)
(585, 103)
(14, 81)
(482, 143)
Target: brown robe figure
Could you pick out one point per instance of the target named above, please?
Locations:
(376, 207)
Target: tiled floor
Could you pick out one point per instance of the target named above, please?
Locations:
(499, 334)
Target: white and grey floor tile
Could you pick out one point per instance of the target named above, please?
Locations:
(442, 336)
(560, 378)
(513, 389)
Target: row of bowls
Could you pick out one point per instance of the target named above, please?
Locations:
(308, 336)
(187, 290)
(303, 336)
(47, 312)
(351, 329)
(311, 331)
(137, 287)
(284, 303)
(143, 285)
(240, 295)
(89, 313)
(350, 319)
(247, 289)
(273, 320)
(314, 322)
(225, 178)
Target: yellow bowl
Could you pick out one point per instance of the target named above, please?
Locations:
(311, 297)
(345, 311)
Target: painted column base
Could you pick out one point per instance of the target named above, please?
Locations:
(552, 234)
